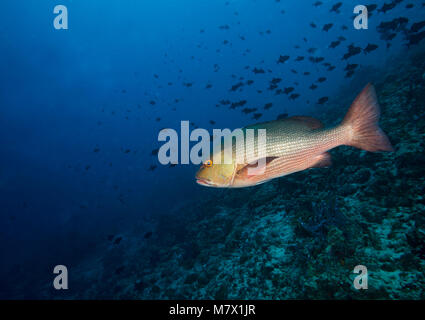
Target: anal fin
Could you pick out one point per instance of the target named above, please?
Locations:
(323, 160)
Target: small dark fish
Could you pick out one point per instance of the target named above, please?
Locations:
(288, 90)
(316, 59)
(282, 116)
(313, 25)
(282, 59)
(352, 51)
(235, 105)
(349, 74)
(351, 67)
(257, 116)
(369, 48)
(335, 7)
(257, 71)
(249, 110)
(212, 122)
(371, 8)
(147, 235)
(299, 58)
(268, 106)
(389, 6)
(317, 3)
(415, 38)
(152, 167)
(417, 26)
(327, 26)
(334, 44)
(208, 86)
(272, 86)
(236, 86)
(390, 29)
(313, 86)
(117, 240)
(155, 152)
(312, 50)
(321, 79)
(322, 100)
(294, 96)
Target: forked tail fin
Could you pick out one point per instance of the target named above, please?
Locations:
(361, 123)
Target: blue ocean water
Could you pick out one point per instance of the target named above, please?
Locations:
(80, 113)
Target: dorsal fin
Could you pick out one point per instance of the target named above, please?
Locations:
(303, 122)
(309, 122)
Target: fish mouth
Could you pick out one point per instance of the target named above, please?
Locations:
(204, 182)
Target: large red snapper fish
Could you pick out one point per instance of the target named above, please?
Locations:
(299, 143)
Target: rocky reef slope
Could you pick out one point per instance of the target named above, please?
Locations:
(296, 237)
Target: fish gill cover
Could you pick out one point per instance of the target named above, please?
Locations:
(84, 97)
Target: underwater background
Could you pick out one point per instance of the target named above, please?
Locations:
(80, 181)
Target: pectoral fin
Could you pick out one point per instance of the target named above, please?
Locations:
(243, 171)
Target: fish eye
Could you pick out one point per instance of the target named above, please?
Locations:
(208, 163)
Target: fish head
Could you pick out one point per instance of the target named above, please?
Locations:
(218, 175)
